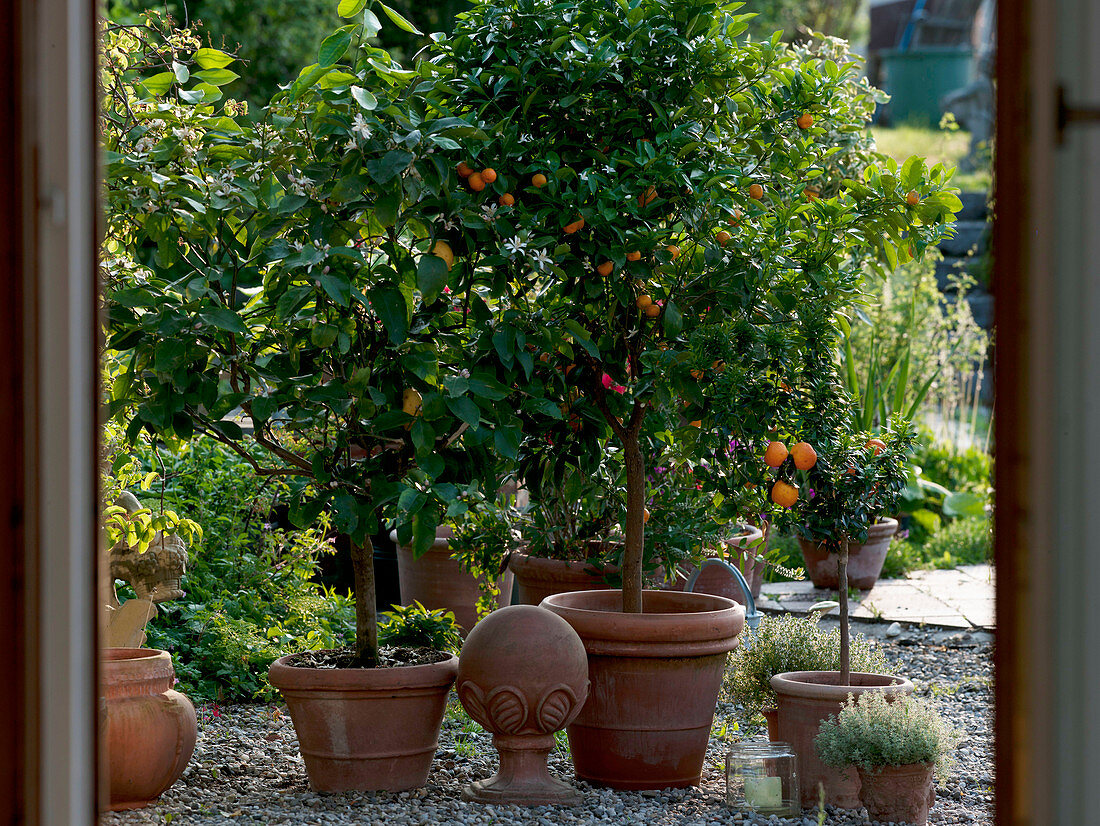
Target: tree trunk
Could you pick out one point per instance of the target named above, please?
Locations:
(635, 523)
(842, 575)
(366, 610)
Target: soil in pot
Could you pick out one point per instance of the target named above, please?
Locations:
(805, 699)
(654, 678)
(898, 793)
(365, 728)
(150, 729)
(864, 561)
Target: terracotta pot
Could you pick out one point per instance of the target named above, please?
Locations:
(864, 561)
(654, 684)
(720, 583)
(150, 729)
(771, 715)
(805, 699)
(435, 580)
(366, 728)
(539, 577)
(898, 793)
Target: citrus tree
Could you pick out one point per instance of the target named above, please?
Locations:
(660, 203)
(282, 284)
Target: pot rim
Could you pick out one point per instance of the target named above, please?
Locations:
(285, 676)
(523, 559)
(443, 533)
(824, 685)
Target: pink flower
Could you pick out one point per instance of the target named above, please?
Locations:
(605, 380)
(618, 388)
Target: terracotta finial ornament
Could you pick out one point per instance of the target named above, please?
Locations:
(523, 675)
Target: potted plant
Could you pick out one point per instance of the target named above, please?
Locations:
(897, 745)
(643, 187)
(279, 286)
(785, 643)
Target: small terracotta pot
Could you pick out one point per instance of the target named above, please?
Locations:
(864, 561)
(771, 715)
(435, 580)
(898, 793)
(366, 728)
(150, 729)
(720, 583)
(807, 698)
(654, 684)
(539, 577)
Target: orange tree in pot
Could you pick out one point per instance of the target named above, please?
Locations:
(278, 286)
(648, 187)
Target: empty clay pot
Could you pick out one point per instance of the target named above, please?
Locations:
(864, 561)
(522, 699)
(150, 729)
(805, 699)
(366, 728)
(716, 581)
(654, 684)
(898, 793)
(435, 580)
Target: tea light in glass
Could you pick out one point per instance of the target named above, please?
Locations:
(761, 777)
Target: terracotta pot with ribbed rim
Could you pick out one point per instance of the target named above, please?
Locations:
(367, 729)
(895, 794)
(807, 698)
(150, 729)
(435, 580)
(720, 583)
(864, 561)
(654, 684)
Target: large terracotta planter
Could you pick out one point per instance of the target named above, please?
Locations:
(150, 729)
(805, 699)
(714, 580)
(893, 794)
(864, 561)
(654, 684)
(538, 577)
(366, 728)
(435, 580)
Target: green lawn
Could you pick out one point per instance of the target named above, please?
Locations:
(900, 142)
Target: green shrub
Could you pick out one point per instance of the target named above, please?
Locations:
(789, 643)
(874, 730)
(415, 626)
(969, 469)
(967, 541)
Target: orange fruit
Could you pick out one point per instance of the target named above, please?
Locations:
(545, 357)
(718, 366)
(605, 269)
(805, 120)
(507, 199)
(723, 238)
(476, 182)
(784, 494)
(674, 251)
(442, 249)
(756, 192)
(912, 198)
(877, 444)
(538, 180)
(804, 456)
(643, 301)
(653, 310)
(696, 423)
(776, 454)
(463, 169)
(737, 215)
(696, 374)
(633, 256)
(812, 193)
(645, 515)
(574, 227)
(648, 196)
(488, 175)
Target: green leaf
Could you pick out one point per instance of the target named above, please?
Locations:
(431, 276)
(674, 322)
(350, 8)
(212, 58)
(963, 503)
(364, 98)
(323, 335)
(464, 409)
(306, 80)
(506, 440)
(217, 77)
(334, 47)
(225, 319)
(159, 84)
(399, 21)
(338, 288)
(389, 303)
(393, 162)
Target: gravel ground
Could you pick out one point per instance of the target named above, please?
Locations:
(246, 768)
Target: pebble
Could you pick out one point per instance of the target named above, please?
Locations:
(246, 769)
(894, 629)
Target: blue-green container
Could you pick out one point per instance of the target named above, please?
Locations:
(916, 79)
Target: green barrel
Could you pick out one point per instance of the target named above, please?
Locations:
(916, 79)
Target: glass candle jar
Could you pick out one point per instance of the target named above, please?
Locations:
(761, 777)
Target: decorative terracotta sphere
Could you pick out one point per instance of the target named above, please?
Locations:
(523, 675)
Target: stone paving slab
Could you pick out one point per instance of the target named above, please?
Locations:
(956, 598)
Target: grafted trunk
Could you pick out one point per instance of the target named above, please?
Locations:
(635, 523)
(366, 609)
(842, 575)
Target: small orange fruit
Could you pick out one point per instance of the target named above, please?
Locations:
(645, 515)
(812, 193)
(538, 180)
(912, 198)
(575, 226)
(805, 120)
(633, 256)
(605, 269)
(805, 457)
(488, 175)
(877, 444)
(756, 192)
(643, 301)
(718, 366)
(463, 169)
(696, 423)
(737, 216)
(784, 494)
(653, 310)
(696, 373)
(476, 182)
(722, 238)
(776, 454)
(507, 199)
(674, 251)
(648, 196)
(545, 357)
